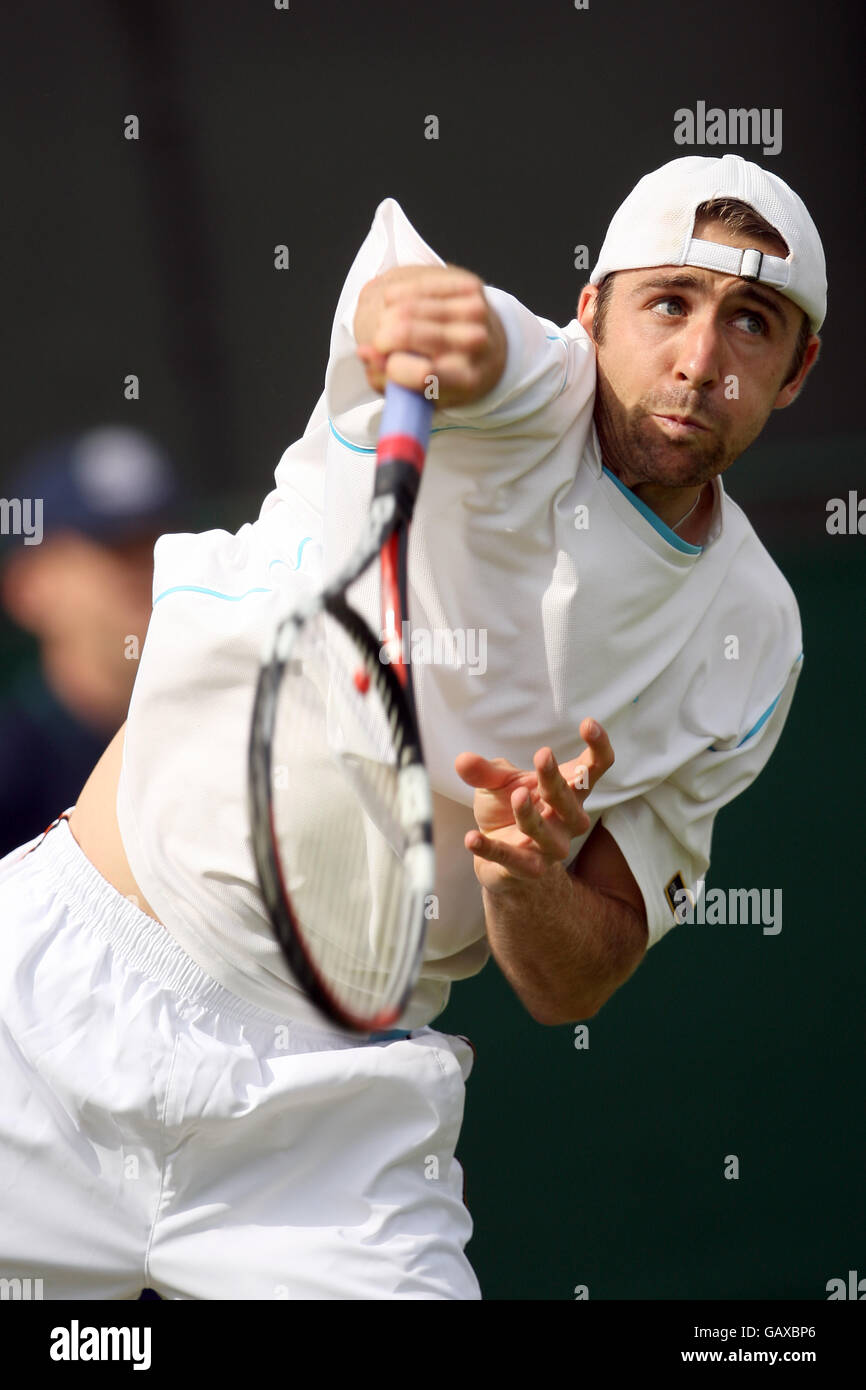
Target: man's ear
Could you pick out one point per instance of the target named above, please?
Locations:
(586, 307)
(791, 390)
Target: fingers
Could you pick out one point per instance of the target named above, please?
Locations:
(551, 832)
(456, 378)
(547, 808)
(599, 754)
(413, 353)
(405, 368)
(566, 788)
(431, 282)
(400, 331)
(537, 838)
(516, 861)
(485, 773)
(433, 321)
(565, 800)
(405, 304)
(452, 374)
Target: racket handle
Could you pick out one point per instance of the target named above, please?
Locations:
(404, 435)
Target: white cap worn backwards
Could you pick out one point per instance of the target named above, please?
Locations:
(654, 227)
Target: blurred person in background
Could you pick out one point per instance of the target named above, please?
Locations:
(82, 586)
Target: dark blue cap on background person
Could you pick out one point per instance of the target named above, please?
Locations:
(111, 483)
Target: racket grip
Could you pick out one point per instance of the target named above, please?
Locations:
(404, 435)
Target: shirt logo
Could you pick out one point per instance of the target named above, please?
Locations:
(672, 891)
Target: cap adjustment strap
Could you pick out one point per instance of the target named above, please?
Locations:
(749, 264)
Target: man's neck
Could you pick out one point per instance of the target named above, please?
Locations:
(686, 510)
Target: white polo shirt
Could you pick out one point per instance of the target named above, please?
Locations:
(542, 591)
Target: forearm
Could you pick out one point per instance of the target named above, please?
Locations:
(563, 946)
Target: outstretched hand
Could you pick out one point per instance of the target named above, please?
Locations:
(527, 819)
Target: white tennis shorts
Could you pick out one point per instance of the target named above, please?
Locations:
(158, 1131)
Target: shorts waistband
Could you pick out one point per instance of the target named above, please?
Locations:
(145, 944)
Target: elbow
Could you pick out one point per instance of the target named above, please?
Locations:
(553, 1014)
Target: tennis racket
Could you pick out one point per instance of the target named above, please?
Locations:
(340, 802)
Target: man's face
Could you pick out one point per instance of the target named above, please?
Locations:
(685, 342)
(83, 600)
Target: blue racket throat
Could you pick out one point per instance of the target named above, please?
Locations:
(402, 448)
(406, 412)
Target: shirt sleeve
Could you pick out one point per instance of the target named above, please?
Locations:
(391, 241)
(541, 359)
(666, 834)
(517, 427)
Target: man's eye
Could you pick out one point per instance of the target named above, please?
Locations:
(758, 325)
(659, 307)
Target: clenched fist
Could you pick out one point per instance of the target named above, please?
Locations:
(414, 323)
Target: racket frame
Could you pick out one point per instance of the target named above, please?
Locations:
(414, 795)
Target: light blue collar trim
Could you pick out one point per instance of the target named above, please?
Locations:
(670, 536)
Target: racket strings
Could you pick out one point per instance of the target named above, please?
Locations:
(336, 814)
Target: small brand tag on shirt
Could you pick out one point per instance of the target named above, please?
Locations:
(675, 886)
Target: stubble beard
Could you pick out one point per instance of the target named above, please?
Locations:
(634, 447)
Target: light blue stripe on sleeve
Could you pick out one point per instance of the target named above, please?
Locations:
(440, 429)
(297, 564)
(368, 449)
(212, 593)
(767, 712)
(764, 717)
(232, 598)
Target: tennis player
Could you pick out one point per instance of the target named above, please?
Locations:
(173, 1112)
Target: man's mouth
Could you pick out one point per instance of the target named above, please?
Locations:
(681, 425)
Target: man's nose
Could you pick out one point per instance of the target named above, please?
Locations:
(697, 360)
